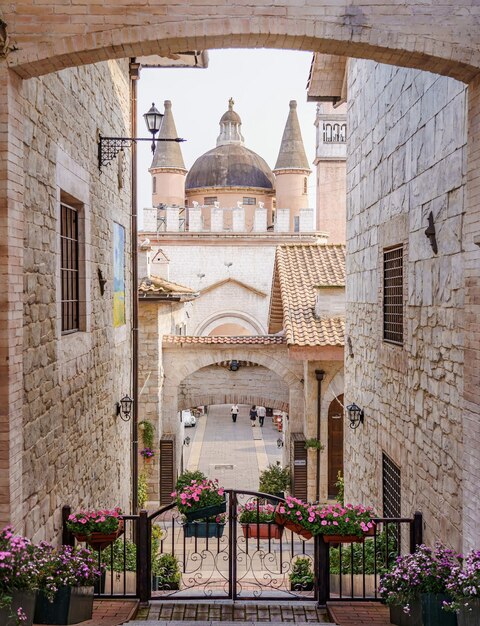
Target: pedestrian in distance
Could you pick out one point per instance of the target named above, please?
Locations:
(261, 412)
(253, 415)
(234, 412)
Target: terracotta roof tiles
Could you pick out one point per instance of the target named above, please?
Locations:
(220, 339)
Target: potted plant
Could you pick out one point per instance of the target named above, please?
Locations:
(98, 529)
(201, 500)
(66, 579)
(275, 480)
(166, 573)
(301, 576)
(258, 521)
(147, 454)
(18, 579)
(314, 444)
(464, 589)
(337, 523)
(415, 588)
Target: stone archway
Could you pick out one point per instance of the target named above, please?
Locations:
(360, 30)
(230, 317)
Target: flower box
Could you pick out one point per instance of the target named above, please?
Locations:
(206, 512)
(204, 530)
(343, 538)
(70, 605)
(293, 526)
(427, 610)
(100, 541)
(470, 616)
(400, 618)
(21, 599)
(263, 530)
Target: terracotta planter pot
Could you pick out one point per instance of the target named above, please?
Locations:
(100, 541)
(343, 539)
(281, 520)
(263, 530)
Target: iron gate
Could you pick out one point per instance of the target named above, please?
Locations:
(228, 560)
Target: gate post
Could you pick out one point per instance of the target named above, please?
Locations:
(144, 577)
(232, 548)
(323, 571)
(416, 531)
(67, 537)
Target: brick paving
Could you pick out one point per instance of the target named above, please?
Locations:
(111, 612)
(359, 613)
(158, 612)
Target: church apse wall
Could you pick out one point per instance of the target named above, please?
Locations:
(76, 362)
(407, 160)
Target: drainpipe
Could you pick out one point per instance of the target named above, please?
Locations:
(134, 76)
(319, 375)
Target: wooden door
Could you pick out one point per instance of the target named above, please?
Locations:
(335, 443)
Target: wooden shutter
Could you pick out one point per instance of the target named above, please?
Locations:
(167, 468)
(299, 465)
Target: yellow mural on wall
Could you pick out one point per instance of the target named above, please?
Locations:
(118, 275)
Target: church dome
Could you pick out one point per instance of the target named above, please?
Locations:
(230, 164)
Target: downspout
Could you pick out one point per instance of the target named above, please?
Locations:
(134, 76)
(319, 375)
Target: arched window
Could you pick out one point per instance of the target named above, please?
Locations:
(154, 183)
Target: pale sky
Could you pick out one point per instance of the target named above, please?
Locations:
(261, 82)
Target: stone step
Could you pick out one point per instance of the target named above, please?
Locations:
(150, 622)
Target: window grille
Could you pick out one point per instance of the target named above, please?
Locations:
(247, 200)
(391, 488)
(334, 133)
(69, 269)
(210, 200)
(393, 295)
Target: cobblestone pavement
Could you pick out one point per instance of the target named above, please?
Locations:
(111, 612)
(174, 613)
(234, 453)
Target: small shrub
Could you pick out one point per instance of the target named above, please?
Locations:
(302, 573)
(187, 477)
(166, 568)
(275, 479)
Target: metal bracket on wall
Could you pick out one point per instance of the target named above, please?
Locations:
(430, 233)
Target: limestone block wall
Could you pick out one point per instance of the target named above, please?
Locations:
(202, 266)
(249, 385)
(75, 449)
(407, 157)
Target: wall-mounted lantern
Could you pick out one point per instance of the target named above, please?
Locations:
(355, 415)
(124, 408)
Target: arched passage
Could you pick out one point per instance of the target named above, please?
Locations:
(361, 30)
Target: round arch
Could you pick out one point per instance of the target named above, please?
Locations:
(356, 31)
(230, 317)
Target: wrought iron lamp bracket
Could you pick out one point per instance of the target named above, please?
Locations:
(109, 147)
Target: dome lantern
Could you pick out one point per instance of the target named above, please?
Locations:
(230, 127)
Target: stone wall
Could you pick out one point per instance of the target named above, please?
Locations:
(407, 157)
(249, 385)
(75, 449)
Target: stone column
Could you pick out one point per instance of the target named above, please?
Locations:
(306, 221)
(11, 298)
(282, 221)
(260, 220)
(173, 223)
(150, 219)
(195, 220)
(471, 242)
(217, 220)
(238, 220)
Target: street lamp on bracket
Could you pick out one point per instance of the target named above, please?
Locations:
(109, 147)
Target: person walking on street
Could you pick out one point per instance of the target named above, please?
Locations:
(261, 412)
(253, 415)
(234, 412)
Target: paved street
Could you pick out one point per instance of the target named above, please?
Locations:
(235, 453)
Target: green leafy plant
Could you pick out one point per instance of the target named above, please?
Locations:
(368, 558)
(275, 479)
(147, 432)
(188, 477)
(301, 575)
(142, 489)
(120, 558)
(314, 444)
(340, 485)
(165, 567)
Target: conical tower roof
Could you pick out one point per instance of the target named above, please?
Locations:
(168, 153)
(292, 151)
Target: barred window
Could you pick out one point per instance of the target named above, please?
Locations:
(69, 268)
(247, 200)
(391, 488)
(393, 295)
(210, 200)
